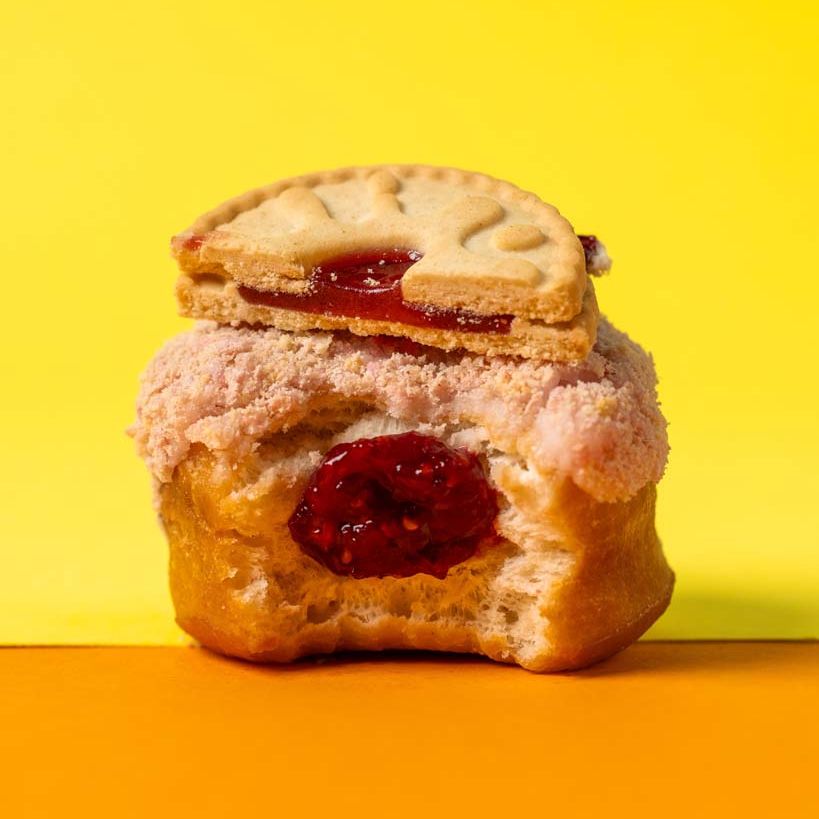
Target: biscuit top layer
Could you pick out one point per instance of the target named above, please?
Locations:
(487, 246)
(596, 421)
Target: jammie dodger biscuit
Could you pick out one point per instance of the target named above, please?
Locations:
(445, 257)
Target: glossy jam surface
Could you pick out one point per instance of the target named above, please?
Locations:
(394, 506)
(367, 285)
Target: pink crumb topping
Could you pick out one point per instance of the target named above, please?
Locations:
(596, 421)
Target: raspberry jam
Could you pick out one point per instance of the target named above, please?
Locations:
(591, 245)
(394, 506)
(368, 285)
(403, 346)
(193, 242)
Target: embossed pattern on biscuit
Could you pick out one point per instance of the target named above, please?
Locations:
(487, 246)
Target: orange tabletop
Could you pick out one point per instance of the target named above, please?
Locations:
(663, 730)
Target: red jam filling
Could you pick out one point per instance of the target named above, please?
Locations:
(368, 285)
(591, 245)
(403, 346)
(194, 241)
(394, 506)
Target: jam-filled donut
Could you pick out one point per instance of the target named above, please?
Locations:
(403, 426)
(324, 492)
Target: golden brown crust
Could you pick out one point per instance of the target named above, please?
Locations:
(242, 587)
(488, 247)
(621, 582)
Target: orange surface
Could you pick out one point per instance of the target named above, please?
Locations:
(663, 730)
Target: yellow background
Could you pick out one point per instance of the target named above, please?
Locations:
(686, 137)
